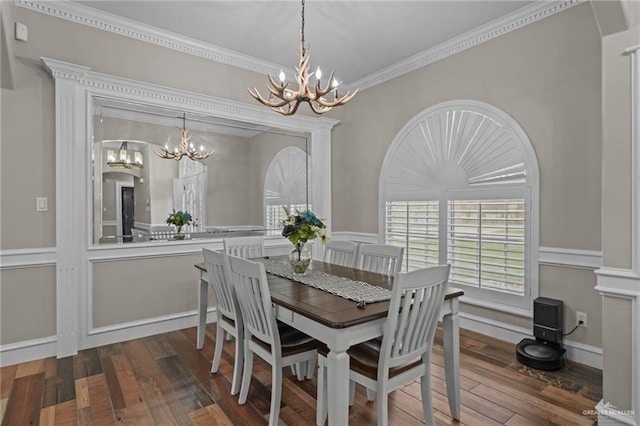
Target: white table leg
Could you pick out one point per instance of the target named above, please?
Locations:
(203, 295)
(338, 387)
(451, 344)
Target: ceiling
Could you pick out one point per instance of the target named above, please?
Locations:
(356, 38)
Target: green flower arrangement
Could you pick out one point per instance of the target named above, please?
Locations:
(179, 219)
(300, 228)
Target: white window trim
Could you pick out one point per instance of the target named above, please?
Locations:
(529, 190)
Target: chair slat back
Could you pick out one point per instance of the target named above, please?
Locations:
(343, 253)
(254, 298)
(416, 300)
(246, 247)
(220, 280)
(380, 258)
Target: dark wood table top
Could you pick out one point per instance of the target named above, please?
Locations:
(326, 308)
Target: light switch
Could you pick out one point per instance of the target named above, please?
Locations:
(42, 204)
(22, 32)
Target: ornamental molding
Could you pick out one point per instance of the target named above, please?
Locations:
(180, 99)
(81, 14)
(78, 13)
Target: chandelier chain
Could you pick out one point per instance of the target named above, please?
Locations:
(302, 27)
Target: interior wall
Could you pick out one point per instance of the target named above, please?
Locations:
(150, 288)
(28, 304)
(547, 76)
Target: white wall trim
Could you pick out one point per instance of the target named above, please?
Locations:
(28, 350)
(105, 21)
(577, 352)
(572, 258)
(624, 284)
(81, 14)
(24, 258)
(147, 327)
(549, 256)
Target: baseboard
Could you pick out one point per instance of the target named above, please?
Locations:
(28, 350)
(577, 352)
(108, 335)
(607, 414)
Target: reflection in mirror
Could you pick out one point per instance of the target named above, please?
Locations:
(240, 189)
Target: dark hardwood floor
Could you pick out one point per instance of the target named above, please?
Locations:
(164, 380)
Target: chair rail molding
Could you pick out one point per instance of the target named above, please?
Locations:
(24, 258)
(75, 85)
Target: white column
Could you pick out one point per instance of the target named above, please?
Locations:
(624, 284)
(69, 179)
(321, 180)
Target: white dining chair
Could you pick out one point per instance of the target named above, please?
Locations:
(404, 353)
(246, 247)
(274, 342)
(228, 314)
(380, 258)
(343, 253)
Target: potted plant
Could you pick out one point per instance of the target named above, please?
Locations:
(179, 219)
(300, 228)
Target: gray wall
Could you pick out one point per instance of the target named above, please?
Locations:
(547, 76)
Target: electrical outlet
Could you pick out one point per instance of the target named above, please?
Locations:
(581, 316)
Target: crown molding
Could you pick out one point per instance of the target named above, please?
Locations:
(513, 21)
(81, 14)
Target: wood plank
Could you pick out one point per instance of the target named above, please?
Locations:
(190, 391)
(66, 413)
(29, 368)
(3, 407)
(48, 416)
(101, 408)
(127, 380)
(532, 407)
(115, 392)
(518, 420)
(65, 383)
(219, 415)
(160, 411)
(82, 393)
(23, 406)
(142, 363)
(86, 363)
(7, 375)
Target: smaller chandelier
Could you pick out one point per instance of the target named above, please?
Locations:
(185, 149)
(122, 158)
(292, 98)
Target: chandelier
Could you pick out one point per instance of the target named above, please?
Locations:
(122, 158)
(280, 95)
(185, 149)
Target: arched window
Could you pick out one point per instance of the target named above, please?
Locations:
(460, 185)
(286, 185)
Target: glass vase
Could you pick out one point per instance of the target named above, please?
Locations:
(179, 235)
(300, 257)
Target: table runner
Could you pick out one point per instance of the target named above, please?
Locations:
(358, 291)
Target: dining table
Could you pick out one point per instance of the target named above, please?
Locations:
(341, 323)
